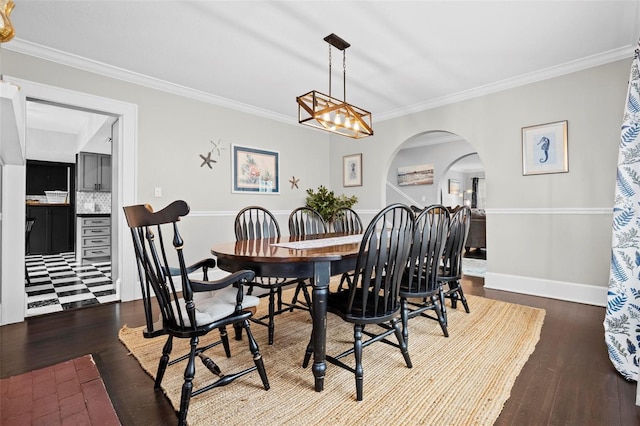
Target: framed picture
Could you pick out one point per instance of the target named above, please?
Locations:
(255, 170)
(544, 149)
(352, 170)
(454, 186)
(415, 175)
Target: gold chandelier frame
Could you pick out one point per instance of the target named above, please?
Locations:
(327, 113)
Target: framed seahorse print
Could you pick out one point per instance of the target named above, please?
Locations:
(545, 148)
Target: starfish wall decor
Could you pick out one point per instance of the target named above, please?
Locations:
(294, 182)
(206, 159)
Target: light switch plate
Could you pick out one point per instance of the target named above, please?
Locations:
(158, 191)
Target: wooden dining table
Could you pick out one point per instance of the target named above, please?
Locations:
(312, 256)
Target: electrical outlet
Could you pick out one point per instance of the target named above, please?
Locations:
(424, 198)
(158, 191)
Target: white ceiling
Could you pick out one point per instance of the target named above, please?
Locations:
(56, 133)
(258, 56)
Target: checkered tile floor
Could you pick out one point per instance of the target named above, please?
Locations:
(58, 282)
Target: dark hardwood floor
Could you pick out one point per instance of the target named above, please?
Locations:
(568, 380)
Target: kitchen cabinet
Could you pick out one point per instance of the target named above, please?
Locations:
(94, 172)
(44, 176)
(95, 237)
(52, 231)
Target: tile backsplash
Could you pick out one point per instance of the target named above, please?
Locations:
(93, 202)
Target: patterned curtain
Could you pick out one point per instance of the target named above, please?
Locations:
(622, 319)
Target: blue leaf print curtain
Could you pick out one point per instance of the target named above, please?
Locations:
(622, 320)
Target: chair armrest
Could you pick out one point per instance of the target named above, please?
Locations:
(204, 264)
(235, 278)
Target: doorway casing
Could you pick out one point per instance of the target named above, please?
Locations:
(12, 302)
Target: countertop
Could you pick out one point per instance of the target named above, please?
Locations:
(96, 214)
(38, 204)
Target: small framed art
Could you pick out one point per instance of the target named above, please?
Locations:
(454, 186)
(255, 170)
(352, 170)
(545, 149)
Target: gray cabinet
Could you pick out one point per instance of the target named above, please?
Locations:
(95, 237)
(94, 172)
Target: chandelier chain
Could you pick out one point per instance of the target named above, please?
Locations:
(329, 69)
(344, 75)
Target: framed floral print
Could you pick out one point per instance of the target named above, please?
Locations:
(255, 170)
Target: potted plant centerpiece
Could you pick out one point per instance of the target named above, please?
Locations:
(326, 202)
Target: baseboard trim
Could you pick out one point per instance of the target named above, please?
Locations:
(561, 290)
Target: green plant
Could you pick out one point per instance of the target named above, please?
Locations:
(326, 202)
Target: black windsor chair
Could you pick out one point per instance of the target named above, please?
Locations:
(373, 297)
(451, 270)
(183, 315)
(420, 289)
(305, 221)
(346, 220)
(28, 227)
(255, 222)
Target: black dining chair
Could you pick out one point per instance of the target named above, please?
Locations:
(28, 227)
(346, 220)
(190, 310)
(420, 289)
(417, 210)
(255, 222)
(305, 221)
(373, 298)
(451, 269)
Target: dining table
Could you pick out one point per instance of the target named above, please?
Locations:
(317, 256)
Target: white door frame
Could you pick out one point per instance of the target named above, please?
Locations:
(124, 151)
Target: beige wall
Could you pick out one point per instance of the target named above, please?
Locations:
(555, 228)
(173, 131)
(550, 228)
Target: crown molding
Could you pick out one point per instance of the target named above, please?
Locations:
(75, 61)
(625, 52)
(64, 58)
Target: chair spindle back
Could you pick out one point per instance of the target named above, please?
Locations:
(306, 221)
(458, 231)
(254, 223)
(381, 263)
(346, 220)
(147, 229)
(429, 239)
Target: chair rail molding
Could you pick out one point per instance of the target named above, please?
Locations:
(550, 211)
(233, 213)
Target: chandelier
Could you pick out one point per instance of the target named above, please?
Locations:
(6, 29)
(325, 112)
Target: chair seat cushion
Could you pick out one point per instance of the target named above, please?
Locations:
(214, 305)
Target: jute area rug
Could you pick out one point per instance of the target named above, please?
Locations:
(461, 380)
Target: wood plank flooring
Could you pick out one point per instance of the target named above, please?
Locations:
(568, 380)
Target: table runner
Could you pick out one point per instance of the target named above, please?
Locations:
(321, 242)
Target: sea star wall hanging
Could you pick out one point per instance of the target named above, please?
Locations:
(206, 159)
(294, 182)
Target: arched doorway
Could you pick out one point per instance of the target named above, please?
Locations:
(457, 178)
(452, 161)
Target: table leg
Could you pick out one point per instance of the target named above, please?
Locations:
(321, 276)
